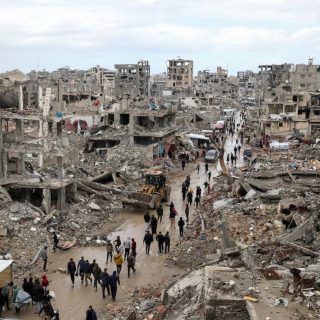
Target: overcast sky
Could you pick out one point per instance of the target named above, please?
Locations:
(234, 34)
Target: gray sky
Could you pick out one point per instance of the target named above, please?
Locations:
(234, 34)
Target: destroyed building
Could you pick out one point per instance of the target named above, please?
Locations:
(133, 79)
(146, 125)
(76, 85)
(179, 74)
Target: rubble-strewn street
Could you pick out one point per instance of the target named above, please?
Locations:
(191, 194)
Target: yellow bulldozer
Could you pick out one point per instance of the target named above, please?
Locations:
(154, 191)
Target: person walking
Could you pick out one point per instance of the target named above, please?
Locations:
(198, 167)
(71, 268)
(96, 276)
(232, 158)
(167, 242)
(55, 241)
(117, 242)
(198, 191)
(209, 175)
(235, 150)
(148, 238)
(87, 272)
(28, 286)
(160, 213)
(189, 197)
(38, 294)
(160, 239)
(81, 268)
(171, 206)
(133, 247)
(184, 191)
(154, 225)
(181, 225)
(127, 247)
(186, 211)
(206, 168)
(114, 281)
(228, 158)
(109, 251)
(118, 260)
(105, 279)
(197, 201)
(239, 148)
(183, 164)
(147, 219)
(44, 257)
(188, 181)
(235, 160)
(131, 263)
(172, 217)
(91, 314)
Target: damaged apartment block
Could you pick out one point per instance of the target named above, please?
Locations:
(132, 79)
(141, 124)
(29, 141)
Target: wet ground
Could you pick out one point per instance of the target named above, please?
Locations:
(73, 302)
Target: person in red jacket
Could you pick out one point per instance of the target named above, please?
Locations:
(133, 247)
(44, 282)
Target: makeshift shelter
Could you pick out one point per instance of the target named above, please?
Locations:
(6, 274)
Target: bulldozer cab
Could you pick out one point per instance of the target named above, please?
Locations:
(156, 179)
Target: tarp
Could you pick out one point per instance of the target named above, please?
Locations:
(279, 145)
(22, 298)
(197, 136)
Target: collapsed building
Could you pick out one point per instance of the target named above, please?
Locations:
(133, 79)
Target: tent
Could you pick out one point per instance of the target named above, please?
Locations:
(6, 274)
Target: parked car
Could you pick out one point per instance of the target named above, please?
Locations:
(212, 156)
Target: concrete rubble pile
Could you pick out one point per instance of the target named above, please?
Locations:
(250, 235)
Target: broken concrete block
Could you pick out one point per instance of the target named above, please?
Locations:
(94, 206)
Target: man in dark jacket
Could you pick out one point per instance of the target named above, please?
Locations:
(81, 268)
(105, 278)
(71, 268)
(114, 281)
(160, 212)
(147, 219)
(55, 241)
(148, 238)
(91, 314)
(154, 224)
(96, 275)
(190, 196)
(171, 206)
(187, 212)
(160, 239)
(181, 225)
(167, 242)
(184, 191)
(87, 272)
(131, 263)
(197, 201)
(38, 294)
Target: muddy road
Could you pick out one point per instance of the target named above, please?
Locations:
(73, 302)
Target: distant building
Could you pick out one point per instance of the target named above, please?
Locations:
(132, 79)
(179, 74)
